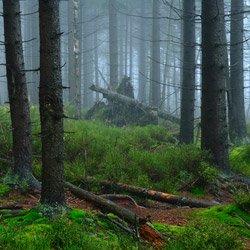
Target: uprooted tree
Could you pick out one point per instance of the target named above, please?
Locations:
(123, 109)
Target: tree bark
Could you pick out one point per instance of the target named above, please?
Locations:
(20, 173)
(188, 83)
(159, 196)
(51, 110)
(113, 45)
(114, 96)
(142, 55)
(156, 71)
(213, 111)
(237, 120)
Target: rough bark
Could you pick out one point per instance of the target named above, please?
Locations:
(159, 196)
(87, 55)
(213, 109)
(188, 81)
(51, 109)
(156, 71)
(237, 121)
(113, 45)
(77, 57)
(71, 76)
(114, 96)
(146, 233)
(142, 56)
(20, 173)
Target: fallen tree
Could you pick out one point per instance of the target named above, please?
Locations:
(114, 96)
(146, 232)
(159, 196)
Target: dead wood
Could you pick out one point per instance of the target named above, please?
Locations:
(121, 212)
(11, 207)
(120, 197)
(114, 96)
(159, 196)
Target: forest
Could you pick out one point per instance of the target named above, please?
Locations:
(124, 124)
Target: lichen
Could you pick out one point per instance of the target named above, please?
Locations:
(52, 211)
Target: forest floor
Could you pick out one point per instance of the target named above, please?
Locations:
(159, 212)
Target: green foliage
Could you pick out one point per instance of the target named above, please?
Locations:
(242, 199)
(226, 215)
(205, 234)
(198, 192)
(240, 160)
(3, 189)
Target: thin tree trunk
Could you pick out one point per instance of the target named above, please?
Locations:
(156, 70)
(237, 120)
(20, 173)
(188, 83)
(113, 45)
(51, 110)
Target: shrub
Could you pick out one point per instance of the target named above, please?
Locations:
(206, 234)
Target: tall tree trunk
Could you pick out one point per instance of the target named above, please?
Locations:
(237, 121)
(213, 110)
(188, 83)
(166, 68)
(113, 45)
(96, 56)
(142, 56)
(71, 66)
(20, 172)
(51, 110)
(35, 53)
(87, 56)
(77, 57)
(156, 70)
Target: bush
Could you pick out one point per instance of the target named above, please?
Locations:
(242, 200)
(206, 234)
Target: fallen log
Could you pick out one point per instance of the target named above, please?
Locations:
(159, 196)
(146, 233)
(114, 96)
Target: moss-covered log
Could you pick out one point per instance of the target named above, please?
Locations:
(159, 196)
(146, 232)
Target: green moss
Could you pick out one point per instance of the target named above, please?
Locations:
(52, 211)
(3, 189)
(240, 160)
(225, 215)
(198, 192)
(77, 215)
(167, 230)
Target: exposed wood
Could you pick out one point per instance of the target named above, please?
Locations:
(146, 233)
(159, 196)
(114, 96)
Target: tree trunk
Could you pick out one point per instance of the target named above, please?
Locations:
(237, 121)
(113, 45)
(213, 110)
(20, 173)
(114, 96)
(77, 57)
(156, 70)
(51, 110)
(142, 57)
(188, 83)
(87, 56)
(71, 66)
(155, 195)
